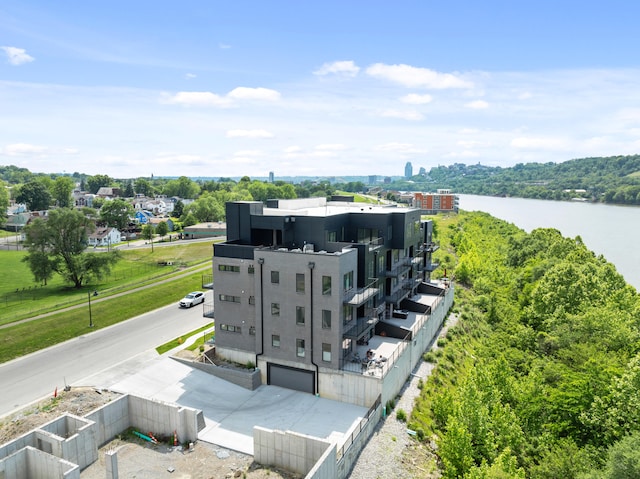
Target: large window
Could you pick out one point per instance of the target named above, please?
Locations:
(326, 352)
(230, 328)
(348, 281)
(326, 319)
(300, 348)
(229, 298)
(252, 300)
(347, 312)
(275, 309)
(228, 267)
(299, 282)
(326, 285)
(251, 269)
(275, 340)
(300, 315)
(275, 277)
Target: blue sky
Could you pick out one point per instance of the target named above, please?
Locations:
(351, 87)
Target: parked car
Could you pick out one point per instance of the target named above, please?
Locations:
(192, 299)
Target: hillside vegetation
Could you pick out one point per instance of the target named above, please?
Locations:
(540, 378)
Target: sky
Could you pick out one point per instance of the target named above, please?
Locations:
(314, 88)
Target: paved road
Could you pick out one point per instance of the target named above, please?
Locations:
(37, 375)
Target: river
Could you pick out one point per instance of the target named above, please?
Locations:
(610, 230)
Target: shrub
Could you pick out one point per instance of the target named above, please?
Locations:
(401, 415)
(250, 365)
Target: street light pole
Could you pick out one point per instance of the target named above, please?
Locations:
(95, 293)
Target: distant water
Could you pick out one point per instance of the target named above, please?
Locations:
(612, 231)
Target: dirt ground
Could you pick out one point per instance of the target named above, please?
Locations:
(137, 458)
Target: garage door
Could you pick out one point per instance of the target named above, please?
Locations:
(291, 378)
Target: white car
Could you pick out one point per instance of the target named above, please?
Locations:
(192, 299)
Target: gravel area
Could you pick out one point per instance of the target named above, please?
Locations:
(391, 450)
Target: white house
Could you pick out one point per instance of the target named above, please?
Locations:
(104, 237)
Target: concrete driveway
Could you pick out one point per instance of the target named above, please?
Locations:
(231, 411)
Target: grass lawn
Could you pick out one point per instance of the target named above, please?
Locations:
(21, 297)
(34, 335)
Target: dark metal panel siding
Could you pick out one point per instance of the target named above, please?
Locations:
(291, 378)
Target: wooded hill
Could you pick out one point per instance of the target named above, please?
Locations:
(540, 378)
(613, 179)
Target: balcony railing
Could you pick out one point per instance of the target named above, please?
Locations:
(356, 327)
(375, 243)
(358, 296)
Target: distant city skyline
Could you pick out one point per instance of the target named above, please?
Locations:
(134, 89)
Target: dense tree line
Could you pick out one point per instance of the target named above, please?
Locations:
(539, 379)
(610, 180)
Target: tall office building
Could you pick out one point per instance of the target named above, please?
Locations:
(408, 170)
(271, 177)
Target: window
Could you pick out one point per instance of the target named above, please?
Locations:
(252, 330)
(252, 300)
(300, 348)
(275, 309)
(229, 298)
(326, 319)
(348, 281)
(228, 267)
(326, 352)
(275, 340)
(300, 315)
(252, 269)
(299, 282)
(230, 328)
(347, 313)
(275, 277)
(331, 236)
(326, 285)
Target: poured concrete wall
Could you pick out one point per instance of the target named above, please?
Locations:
(64, 446)
(244, 378)
(294, 452)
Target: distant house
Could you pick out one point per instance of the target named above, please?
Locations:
(143, 217)
(156, 221)
(104, 237)
(82, 198)
(108, 192)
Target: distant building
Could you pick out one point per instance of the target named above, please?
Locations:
(373, 179)
(422, 171)
(271, 177)
(433, 203)
(408, 170)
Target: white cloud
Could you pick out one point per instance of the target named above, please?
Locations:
(292, 149)
(223, 46)
(249, 134)
(530, 143)
(198, 98)
(415, 99)
(17, 56)
(24, 149)
(244, 93)
(404, 115)
(414, 77)
(189, 76)
(343, 68)
(477, 105)
(462, 154)
(473, 144)
(525, 95)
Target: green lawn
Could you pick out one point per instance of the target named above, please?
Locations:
(21, 297)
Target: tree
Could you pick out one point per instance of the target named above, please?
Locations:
(147, 233)
(178, 209)
(116, 213)
(4, 203)
(162, 228)
(60, 242)
(94, 183)
(143, 187)
(35, 195)
(183, 187)
(61, 191)
(128, 190)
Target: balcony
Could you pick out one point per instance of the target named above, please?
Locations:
(354, 329)
(431, 266)
(375, 244)
(358, 296)
(400, 291)
(398, 268)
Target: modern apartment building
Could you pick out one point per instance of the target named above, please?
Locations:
(433, 203)
(301, 285)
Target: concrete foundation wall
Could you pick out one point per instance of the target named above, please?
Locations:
(294, 452)
(64, 446)
(350, 454)
(31, 463)
(349, 387)
(247, 379)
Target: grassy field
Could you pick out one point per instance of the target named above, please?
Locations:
(21, 297)
(138, 267)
